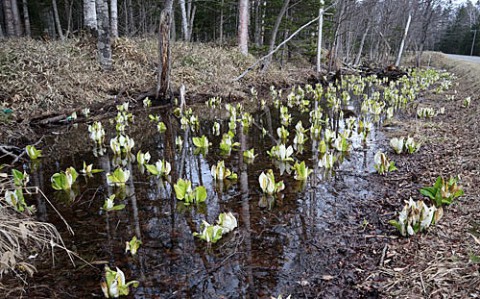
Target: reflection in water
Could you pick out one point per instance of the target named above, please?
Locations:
(268, 253)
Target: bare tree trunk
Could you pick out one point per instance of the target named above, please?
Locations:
(173, 29)
(2, 36)
(336, 42)
(68, 10)
(183, 10)
(7, 9)
(16, 18)
(125, 16)
(427, 19)
(90, 15)
(191, 13)
(243, 18)
(257, 21)
(402, 44)
(220, 29)
(131, 19)
(57, 19)
(273, 38)
(362, 43)
(114, 18)
(319, 40)
(163, 83)
(262, 23)
(26, 19)
(103, 43)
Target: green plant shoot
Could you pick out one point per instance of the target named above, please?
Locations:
(119, 177)
(64, 180)
(32, 152)
(110, 205)
(443, 192)
(114, 284)
(133, 245)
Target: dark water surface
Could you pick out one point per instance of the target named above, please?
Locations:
(300, 242)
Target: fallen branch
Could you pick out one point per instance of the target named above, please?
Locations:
(3, 149)
(280, 45)
(275, 50)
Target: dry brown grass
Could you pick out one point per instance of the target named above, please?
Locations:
(22, 241)
(48, 77)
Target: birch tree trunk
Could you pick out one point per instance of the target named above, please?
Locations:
(57, 19)
(114, 18)
(103, 42)
(243, 18)
(26, 19)
(402, 44)
(89, 15)
(320, 35)
(183, 10)
(273, 38)
(16, 18)
(191, 14)
(7, 9)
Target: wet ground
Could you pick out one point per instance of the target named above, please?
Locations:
(314, 240)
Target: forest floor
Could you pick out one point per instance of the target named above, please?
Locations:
(40, 80)
(46, 79)
(442, 263)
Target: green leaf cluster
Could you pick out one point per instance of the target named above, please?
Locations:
(114, 284)
(64, 180)
(443, 192)
(183, 191)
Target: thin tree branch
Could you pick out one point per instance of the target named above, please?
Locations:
(280, 45)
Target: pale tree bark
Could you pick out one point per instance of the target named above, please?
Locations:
(58, 25)
(188, 15)
(220, 29)
(69, 10)
(321, 11)
(276, 26)
(90, 15)
(336, 39)
(243, 18)
(164, 35)
(275, 50)
(183, 10)
(26, 19)
(402, 44)
(16, 18)
(114, 18)
(103, 42)
(362, 43)
(191, 10)
(9, 26)
(2, 36)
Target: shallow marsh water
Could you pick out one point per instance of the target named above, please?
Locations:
(275, 249)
